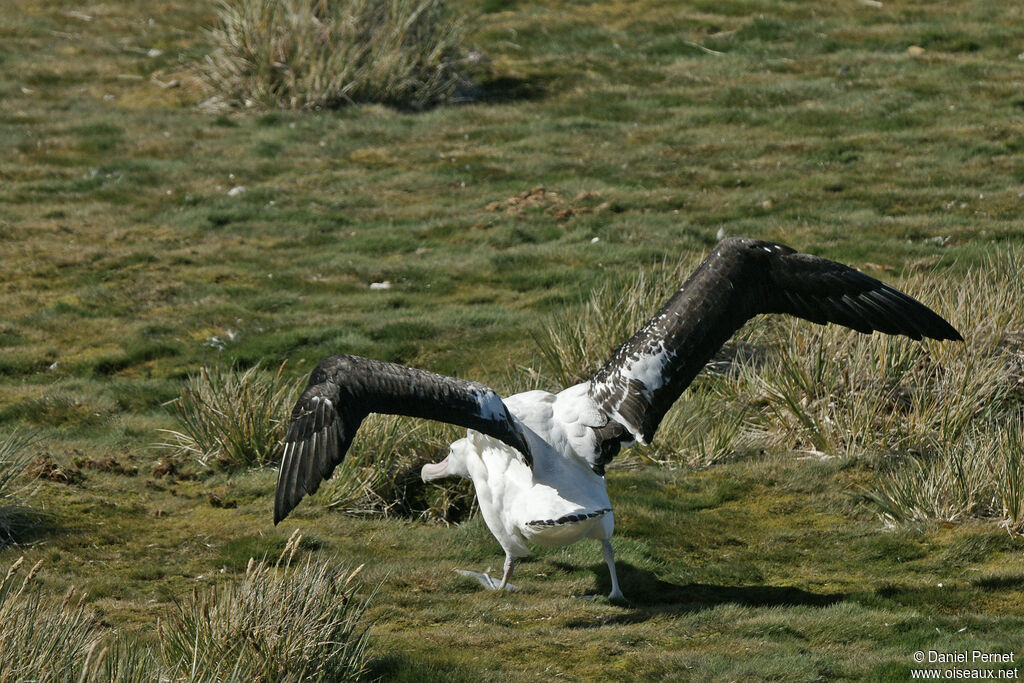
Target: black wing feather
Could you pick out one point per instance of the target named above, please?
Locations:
(742, 278)
(343, 390)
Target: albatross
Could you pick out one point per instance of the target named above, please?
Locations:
(537, 459)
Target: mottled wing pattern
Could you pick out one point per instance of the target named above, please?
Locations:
(345, 389)
(742, 278)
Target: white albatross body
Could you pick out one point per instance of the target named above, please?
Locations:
(557, 502)
(537, 460)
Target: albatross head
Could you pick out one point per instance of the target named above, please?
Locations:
(454, 465)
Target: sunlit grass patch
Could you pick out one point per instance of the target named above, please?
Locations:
(282, 622)
(122, 255)
(42, 639)
(64, 406)
(235, 553)
(306, 54)
(232, 419)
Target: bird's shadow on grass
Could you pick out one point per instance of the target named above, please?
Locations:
(647, 595)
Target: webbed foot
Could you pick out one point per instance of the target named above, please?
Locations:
(486, 581)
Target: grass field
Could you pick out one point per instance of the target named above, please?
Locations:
(887, 136)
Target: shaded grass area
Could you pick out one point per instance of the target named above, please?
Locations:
(125, 266)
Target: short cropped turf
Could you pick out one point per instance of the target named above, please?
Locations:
(145, 235)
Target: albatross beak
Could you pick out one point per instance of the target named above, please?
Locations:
(433, 471)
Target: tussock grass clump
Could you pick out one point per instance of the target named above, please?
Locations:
(380, 476)
(841, 393)
(42, 639)
(282, 622)
(14, 460)
(942, 421)
(302, 54)
(981, 475)
(232, 419)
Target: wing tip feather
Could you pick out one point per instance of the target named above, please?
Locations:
(314, 423)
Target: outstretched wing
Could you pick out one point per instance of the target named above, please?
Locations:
(742, 278)
(345, 389)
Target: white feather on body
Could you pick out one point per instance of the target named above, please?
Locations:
(561, 483)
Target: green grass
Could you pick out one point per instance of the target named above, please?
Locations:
(125, 267)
